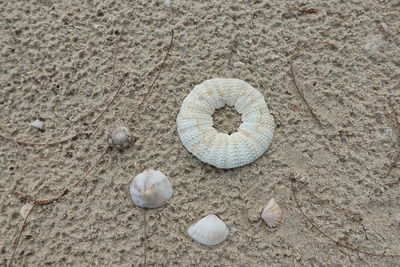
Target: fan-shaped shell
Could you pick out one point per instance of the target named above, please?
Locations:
(209, 231)
(199, 137)
(272, 213)
(151, 189)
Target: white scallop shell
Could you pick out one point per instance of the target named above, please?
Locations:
(209, 231)
(119, 135)
(199, 137)
(150, 189)
(272, 213)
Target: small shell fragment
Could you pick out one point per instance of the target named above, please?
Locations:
(239, 64)
(272, 213)
(25, 209)
(120, 136)
(151, 189)
(167, 3)
(38, 124)
(209, 231)
(384, 28)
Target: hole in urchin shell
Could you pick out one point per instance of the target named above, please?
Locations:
(226, 120)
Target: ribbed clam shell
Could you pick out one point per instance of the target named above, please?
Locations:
(199, 137)
(151, 189)
(209, 231)
(272, 213)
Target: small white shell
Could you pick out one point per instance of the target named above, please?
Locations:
(150, 189)
(119, 136)
(272, 213)
(199, 137)
(38, 124)
(209, 231)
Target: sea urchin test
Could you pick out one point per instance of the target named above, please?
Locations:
(199, 137)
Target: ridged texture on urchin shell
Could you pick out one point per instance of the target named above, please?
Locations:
(272, 213)
(151, 189)
(119, 135)
(199, 137)
(209, 231)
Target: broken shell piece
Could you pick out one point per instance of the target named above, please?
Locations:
(272, 213)
(38, 124)
(150, 189)
(384, 28)
(209, 231)
(119, 136)
(26, 209)
(167, 3)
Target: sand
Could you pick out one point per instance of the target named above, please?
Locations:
(57, 66)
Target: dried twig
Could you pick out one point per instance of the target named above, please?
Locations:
(338, 243)
(294, 77)
(65, 191)
(155, 79)
(16, 242)
(308, 10)
(63, 140)
(68, 190)
(337, 208)
(395, 161)
(145, 237)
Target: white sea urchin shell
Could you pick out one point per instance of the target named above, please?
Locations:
(272, 213)
(209, 231)
(150, 189)
(199, 137)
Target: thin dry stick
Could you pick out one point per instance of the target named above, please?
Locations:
(394, 163)
(66, 191)
(294, 77)
(145, 237)
(16, 242)
(155, 79)
(338, 243)
(22, 142)
(337, 208)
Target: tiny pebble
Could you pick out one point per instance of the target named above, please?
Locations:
(238, 64)
(380, 252)
(38, 124)
(274, 57)
(247, 43)
(384, 28)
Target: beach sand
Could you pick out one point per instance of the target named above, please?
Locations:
(57, 66)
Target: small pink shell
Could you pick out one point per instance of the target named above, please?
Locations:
(272, 213)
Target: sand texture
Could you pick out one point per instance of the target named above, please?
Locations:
(57, 66)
